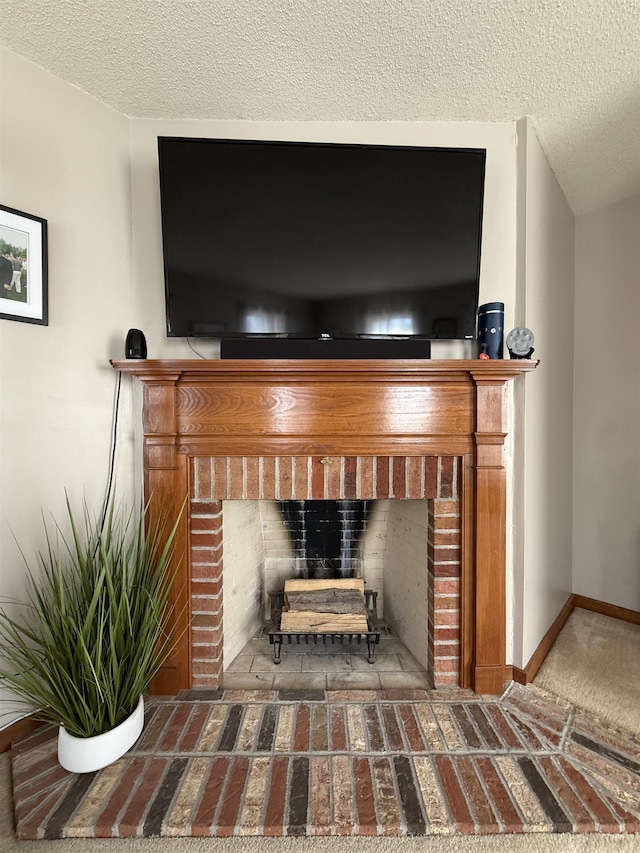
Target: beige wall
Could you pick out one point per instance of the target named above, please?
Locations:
(606, 392)
(63, 157)
(93, 174)
(542, 490)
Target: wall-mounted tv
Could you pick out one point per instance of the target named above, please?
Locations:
(266, 239)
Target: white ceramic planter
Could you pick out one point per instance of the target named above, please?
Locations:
(86, 754)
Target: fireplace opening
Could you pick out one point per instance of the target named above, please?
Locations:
(393, 523)
(386, 543)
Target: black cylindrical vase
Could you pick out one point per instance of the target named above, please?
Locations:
(491, 328)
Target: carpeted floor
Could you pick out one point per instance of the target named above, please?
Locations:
(595, 664)
(598, 645)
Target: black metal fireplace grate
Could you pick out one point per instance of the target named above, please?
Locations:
(277, 637)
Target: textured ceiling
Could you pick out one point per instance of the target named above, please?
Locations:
(572, 65)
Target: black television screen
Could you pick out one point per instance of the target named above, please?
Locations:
(315, 240)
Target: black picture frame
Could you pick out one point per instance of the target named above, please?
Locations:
(24, 285)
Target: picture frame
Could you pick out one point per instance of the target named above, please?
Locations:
(23, 267)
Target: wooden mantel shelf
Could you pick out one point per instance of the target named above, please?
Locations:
(371, 368)
(199, 407)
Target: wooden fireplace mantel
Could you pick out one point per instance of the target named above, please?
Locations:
(346, 407)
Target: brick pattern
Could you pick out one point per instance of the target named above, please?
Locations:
(436, 479)
(444, 569)
(307, 478)
(305, 763)
(206, 593)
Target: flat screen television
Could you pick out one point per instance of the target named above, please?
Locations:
(266, 239)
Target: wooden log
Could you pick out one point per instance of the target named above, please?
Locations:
(306, 621)
(328, 605)
(302, 585)
(327, 601)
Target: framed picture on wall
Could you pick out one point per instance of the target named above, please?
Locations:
(23, 267)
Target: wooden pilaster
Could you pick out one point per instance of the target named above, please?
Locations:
(166, 483)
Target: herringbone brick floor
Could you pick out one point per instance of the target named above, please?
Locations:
(315, 762)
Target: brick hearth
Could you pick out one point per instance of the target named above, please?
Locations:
(222, 763)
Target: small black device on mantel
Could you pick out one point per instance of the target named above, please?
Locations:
(135, 345)
(320, 244)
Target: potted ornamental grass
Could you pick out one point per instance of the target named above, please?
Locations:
(82, 648)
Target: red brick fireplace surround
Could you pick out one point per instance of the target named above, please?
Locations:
(215, 479)
(278, 430)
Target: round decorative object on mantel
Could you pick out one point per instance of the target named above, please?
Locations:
(87, 754)
(520, 342)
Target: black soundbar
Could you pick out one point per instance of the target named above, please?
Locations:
(267, 348)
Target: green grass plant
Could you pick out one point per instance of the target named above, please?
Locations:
(93, 630)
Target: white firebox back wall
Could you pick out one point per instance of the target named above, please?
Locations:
(374, 548)
(406, 577)
(243, 575)
(281, 563)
